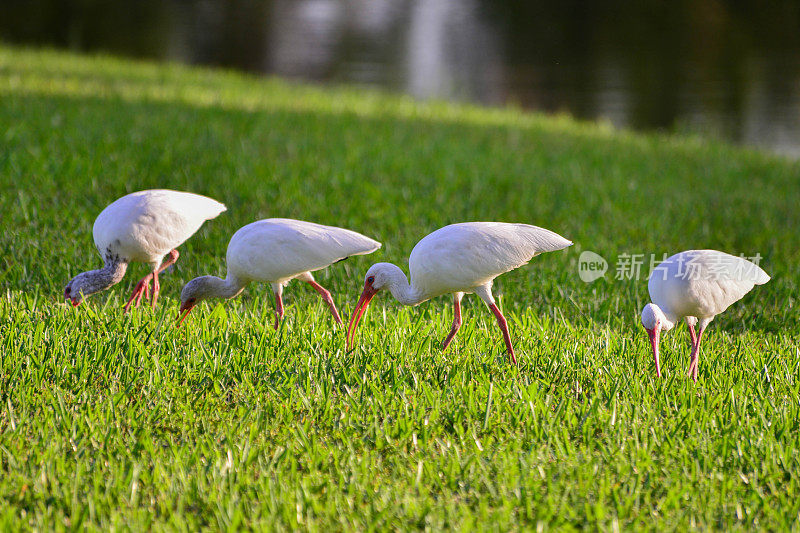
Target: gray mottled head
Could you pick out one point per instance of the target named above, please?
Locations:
(93, 281)
(207, 287)
(193, 292)
(199, 289)
(78, 288)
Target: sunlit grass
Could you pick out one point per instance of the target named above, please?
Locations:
(128, 422)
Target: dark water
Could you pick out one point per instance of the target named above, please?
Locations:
(728, 69)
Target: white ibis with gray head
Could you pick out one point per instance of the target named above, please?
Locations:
(144, 227)
(695, 285)
(458, 259)
(276, 251)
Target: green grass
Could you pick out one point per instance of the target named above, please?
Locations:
(125, 422)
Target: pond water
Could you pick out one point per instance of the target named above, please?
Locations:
(728, 69)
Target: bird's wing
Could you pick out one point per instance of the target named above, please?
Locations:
(277, 249)
(703, 283)
(470, 254)
(148, 224)
(195, 207)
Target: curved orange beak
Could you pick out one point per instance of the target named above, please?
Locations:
(74, 300)
(654, 334)
(361, 308)
(184, 312)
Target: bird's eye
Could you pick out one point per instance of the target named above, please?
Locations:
(192, 300)
(67, 290)
(371, 279)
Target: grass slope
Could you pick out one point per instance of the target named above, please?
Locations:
(127, 422)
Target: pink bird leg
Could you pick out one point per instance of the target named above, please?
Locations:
(456, 319)
(278, 309)
(501, 321)
(695, 357)
(326, 297)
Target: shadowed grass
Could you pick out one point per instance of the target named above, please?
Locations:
(127, 422)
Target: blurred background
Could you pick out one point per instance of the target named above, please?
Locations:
(720, 68)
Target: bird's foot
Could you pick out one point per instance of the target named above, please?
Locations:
(328, 299)
(336, 316)
(278, 318)
(332, 307)
(446, 342)
(142, 290)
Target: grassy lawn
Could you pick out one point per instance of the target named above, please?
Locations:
(112, 421)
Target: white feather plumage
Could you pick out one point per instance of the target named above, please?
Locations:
(141, 227)
(458, 259)
(277, 250)
(461, 257)
(695, 285)
(145, 226)
(702, 283)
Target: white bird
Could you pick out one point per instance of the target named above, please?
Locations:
(142, 226)
(695, 285)
(276, 251)
(458, 259)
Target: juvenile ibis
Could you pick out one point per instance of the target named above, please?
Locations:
(276, 251)
(695, 285)
(458, 259)
(143, 226)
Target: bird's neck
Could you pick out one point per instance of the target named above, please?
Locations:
(402, 291)
(103, 278)
(226, 288)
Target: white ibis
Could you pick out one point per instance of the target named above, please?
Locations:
(276, 251)
(458, 259)
(142, 226)
(695, 285)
